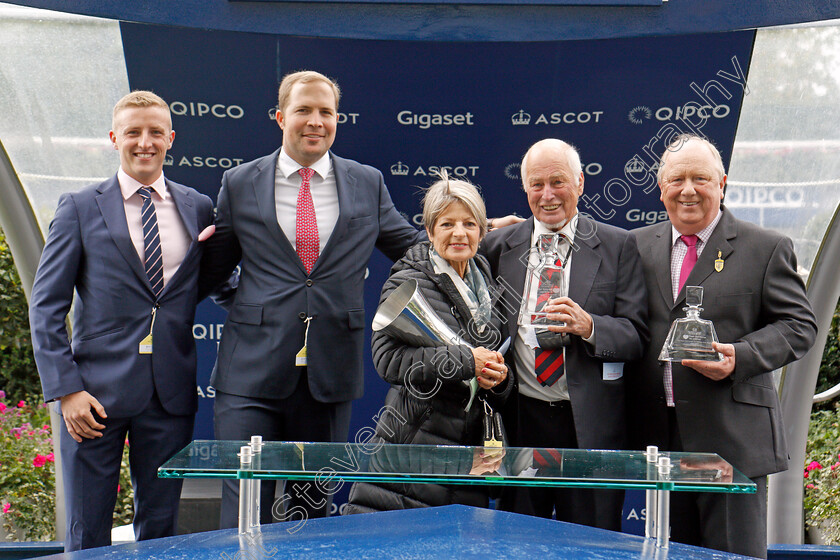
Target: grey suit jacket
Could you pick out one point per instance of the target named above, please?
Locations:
(757, 302)
(89, 251)
(266, 323)
(606, 281)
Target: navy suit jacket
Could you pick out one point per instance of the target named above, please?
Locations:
(606, 280)
(89, 250)
(757, 302)
(266, 320)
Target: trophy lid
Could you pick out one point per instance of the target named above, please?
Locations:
(694, 296)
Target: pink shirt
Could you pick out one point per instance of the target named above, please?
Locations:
(174, 238)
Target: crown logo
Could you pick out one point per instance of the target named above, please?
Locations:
(169, 160)
(399, 168)
(635, 165)
(520, 118)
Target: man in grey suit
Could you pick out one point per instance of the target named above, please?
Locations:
(604, 314)
(757, 302)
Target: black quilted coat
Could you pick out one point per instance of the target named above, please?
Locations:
(439, 419)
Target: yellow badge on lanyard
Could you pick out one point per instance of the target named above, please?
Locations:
(719, 263)
(300, 357)
(146, 343)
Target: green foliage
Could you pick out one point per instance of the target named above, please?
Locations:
(830, 367)
(822, 474)
(27, 473)
(18, 374)
(27, 470)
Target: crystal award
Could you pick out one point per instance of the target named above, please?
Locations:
(691, 337)
(544, 281)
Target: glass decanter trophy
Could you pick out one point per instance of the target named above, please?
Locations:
(547, 280)
(691, 337)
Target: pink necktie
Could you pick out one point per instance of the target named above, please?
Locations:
(306, 227)
(690, 258)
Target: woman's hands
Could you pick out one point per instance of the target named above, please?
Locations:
(490, 368)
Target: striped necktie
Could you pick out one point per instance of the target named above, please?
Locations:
(549, 364)
(151, 241)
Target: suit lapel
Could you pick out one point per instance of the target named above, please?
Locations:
(513, 264)
(263, 185)
(112, 207)
(186, 209)
(585, 261)
(345, 184)
(660, 253)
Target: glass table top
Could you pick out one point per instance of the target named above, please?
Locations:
(509, 466)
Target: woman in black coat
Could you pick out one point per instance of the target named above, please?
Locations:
(430, 384)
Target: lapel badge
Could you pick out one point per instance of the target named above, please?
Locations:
(718, 263)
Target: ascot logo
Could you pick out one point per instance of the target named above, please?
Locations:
(203, 161)
(401, 169)
(521, 118)
(341, 118)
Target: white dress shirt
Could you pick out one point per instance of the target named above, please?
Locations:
(324, 196)
(174, 238)
(524, 345)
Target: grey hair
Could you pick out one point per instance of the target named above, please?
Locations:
(676, 145)
(572, 157)
(444, 192)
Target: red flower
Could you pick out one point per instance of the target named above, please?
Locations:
(118, 488)
(50, 457)
(39, 461)
(810, 486)
(21, 404)
(814, 465)
(6, 507)
(2, 407)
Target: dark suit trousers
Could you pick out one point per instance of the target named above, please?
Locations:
(298, 417)
(730, 522)
(92, 471)
(541, 424)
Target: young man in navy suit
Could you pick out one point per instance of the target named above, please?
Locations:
(129, 248)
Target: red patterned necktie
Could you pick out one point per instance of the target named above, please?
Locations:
(690, 259)
(307, 243)
(549, 364)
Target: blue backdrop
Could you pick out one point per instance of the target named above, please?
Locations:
(409, 108)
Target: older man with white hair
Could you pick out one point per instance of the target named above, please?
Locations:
(570, 381)
(757, 303)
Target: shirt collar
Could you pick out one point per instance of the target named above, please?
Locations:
(288, 166)
(703, 234)
(129, 185)
(568, 230)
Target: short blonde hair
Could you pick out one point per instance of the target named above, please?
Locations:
(140, 98)
(303, 77)
(443, 192)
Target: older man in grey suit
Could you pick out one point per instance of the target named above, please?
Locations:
(578, 402)
(757, 302)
